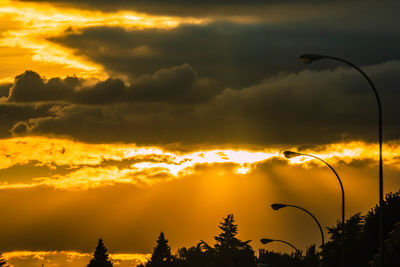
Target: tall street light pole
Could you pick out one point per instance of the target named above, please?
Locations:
(291, 154)
(267, 240)
(277, 206)
(309, 58)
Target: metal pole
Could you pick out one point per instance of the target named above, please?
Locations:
(380, 127)
(343, 203)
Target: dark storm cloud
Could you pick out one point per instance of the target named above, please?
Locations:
(175, 85)
(235, 54)
(30, 87)
(187, 8)
(308, 107)
(225, 82)
(14, 116)
(105, 92)
(4, 89)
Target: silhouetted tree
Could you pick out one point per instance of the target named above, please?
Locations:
(162, 253)
(361, 234)
(196, 256)
(353, 229)
(229, 250)
(312, 257)
(275, 259)
(100, 257)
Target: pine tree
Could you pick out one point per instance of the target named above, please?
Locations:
(100, 257)
(162, 253)
(227, 239)
(230, 251)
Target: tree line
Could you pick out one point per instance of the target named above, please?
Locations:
(360, 241)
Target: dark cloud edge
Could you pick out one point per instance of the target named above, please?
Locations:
(263, 114)
(186, 8)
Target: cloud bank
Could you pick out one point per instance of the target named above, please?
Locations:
(176, 105)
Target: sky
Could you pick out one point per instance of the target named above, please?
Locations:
(121, 119)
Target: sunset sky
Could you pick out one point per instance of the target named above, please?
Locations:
(120, 119)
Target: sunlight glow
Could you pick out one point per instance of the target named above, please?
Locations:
(348, 152)
(35, 23)
(95, 165)
(242, 170)
(74, 257)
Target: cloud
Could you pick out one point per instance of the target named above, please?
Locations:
(4, 89)
(196, 8)
(236, 54)
(70, 165)
(308, 107)
(20, 128)
(178, 84)
(174, 7)
(14, 117)
(175, 85)
(30, 87)
(65, 164)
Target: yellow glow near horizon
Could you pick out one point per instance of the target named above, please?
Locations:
(72, 255)
(34, 23)
(96, 165)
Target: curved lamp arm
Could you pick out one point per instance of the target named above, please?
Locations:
(266, 240)
(291, 154)
(309, 213)
(340, 182)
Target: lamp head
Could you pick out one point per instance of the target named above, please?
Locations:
(291, 154)
(266, 240)
(309, 58)
(277, 206)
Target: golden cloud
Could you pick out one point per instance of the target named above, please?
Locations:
(97, 165)
(34, 23)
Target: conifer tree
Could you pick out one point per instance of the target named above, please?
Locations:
(100, 257)
(230, 251)
(162, 253)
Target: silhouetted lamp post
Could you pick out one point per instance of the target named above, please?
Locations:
(309, 58)
(291, 154)
(277, 206)
(267, 240)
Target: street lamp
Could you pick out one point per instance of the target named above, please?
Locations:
(309, 58)
(291, 154)
(267, 240)
(277, 206)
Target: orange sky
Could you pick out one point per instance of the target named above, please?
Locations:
(116, 191)
(64, 187)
